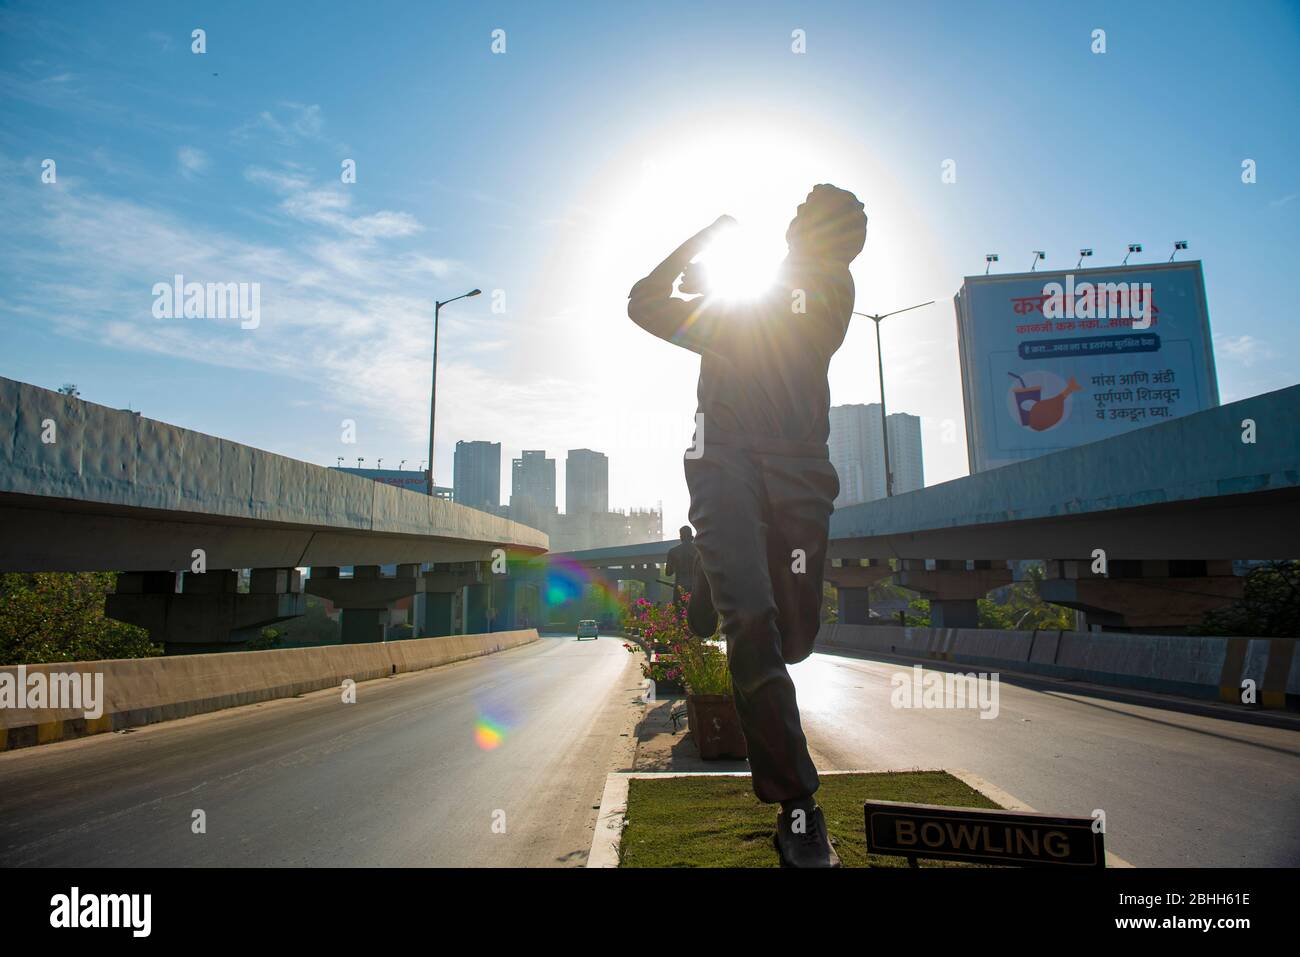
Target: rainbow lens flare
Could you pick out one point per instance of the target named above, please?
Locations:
(489, 734)
(565, 581)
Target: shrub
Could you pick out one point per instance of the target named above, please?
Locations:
(59, 616)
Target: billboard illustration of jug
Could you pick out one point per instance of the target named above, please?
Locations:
(1040, 400)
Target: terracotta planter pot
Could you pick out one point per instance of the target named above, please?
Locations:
(715, 726)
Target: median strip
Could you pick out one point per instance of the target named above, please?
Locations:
(712, 819)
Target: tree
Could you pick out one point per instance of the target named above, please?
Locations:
(1022, 610)
(59, 616)
(1268, 608)
(830, 603)
(315, 627)
(268, 638)
(921, 606)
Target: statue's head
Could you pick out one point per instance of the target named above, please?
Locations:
(829, 224)
(685, 533)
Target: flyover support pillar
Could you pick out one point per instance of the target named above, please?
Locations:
(367, 600)
(853, 580)
(457, 598)
(478, 608)
(209, 613)
(953, 587)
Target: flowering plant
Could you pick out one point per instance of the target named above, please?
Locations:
(672, 652)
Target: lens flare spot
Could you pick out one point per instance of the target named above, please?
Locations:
(565, 581)
(489, 734)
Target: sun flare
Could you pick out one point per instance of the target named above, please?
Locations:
(741, 263)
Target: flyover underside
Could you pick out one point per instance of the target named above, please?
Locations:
(57, 535)
(1254, 525)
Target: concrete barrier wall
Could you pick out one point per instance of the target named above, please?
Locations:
(140, 691)
(1199, 667)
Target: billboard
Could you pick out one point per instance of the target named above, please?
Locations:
(1051, 360)
(405, 478)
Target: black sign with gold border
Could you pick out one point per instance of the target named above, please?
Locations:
(976, 835)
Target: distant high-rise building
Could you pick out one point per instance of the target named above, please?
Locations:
(586, 482)
(581, 530)
(477, 475)
(858, 454)
(588, 521)
(532, 489)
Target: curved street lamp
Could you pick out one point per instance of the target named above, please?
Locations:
(433, 393)
(880, 364)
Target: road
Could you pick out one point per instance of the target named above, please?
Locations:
(423, 766)
(1178, 789)
(497, 761)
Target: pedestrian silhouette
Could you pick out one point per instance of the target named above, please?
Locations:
(681, 564)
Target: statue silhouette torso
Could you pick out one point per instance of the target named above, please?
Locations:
(763, 363)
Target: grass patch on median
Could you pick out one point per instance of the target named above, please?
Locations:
(711, 821)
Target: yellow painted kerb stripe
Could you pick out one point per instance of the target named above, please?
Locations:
(99, 725)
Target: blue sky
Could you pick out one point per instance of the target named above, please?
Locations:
(555, 174)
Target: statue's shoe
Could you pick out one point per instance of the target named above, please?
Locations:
(806, 844)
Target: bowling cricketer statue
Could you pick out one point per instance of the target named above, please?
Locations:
(761, 481)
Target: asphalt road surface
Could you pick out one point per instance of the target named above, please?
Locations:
(501, 761)
(497, 761)
(1178, 789)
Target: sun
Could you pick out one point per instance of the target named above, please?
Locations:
(741, 263)
(676, 179)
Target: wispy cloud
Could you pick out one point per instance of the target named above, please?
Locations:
(1244, 349)
(192, 161)
(345, 308)
(281, 180)
(289, 124)
(331, 206)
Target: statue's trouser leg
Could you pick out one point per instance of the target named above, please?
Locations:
(751, 513)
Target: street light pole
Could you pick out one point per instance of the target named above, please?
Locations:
(433, 392)
(880, 366)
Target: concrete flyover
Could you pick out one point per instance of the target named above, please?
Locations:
(1167, 507)
(88, 488)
